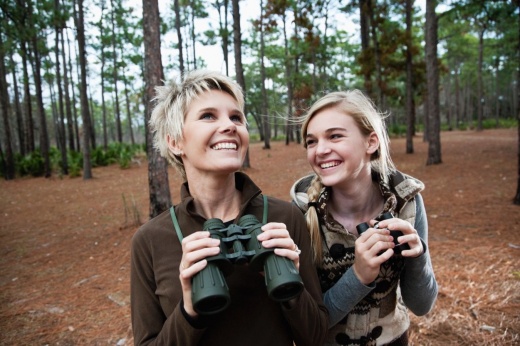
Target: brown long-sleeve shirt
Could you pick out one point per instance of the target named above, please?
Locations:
(252, 317)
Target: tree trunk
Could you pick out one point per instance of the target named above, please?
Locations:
(516, 199)
(432, 72)
(29, 121)
(6, 112)
(85, 112)
(74, 109)
(410, 105)
(288, 82)
(18, 110)
(68, 106)
(116, 76)
(480, 94)
(61, 112)
(160, 199)
(239, 70)
(44, 136)
(265, 106)
(365, 46)
(179, 34)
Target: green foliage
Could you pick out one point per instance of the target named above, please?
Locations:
(31, 164)
(397, 130)
(75, 160)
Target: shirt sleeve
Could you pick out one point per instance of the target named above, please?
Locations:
(150, 325)
(418, 285)
(307, 315)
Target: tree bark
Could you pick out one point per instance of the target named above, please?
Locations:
(160, 199)
(265, 111)
(410, 104)
(179, 33)
(432, 72)
(239, 69)
(61, 112)
(85, 112)
(6, 112)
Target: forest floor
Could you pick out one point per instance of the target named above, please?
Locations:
(64, 243)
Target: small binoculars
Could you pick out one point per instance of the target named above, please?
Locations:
(239, 245)
(362, 227)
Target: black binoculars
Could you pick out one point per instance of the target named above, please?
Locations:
(239, 245)
(362, 227)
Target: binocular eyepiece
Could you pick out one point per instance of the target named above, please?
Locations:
(362, 227)
(239, 245)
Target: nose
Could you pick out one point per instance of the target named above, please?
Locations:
(322, 148)
(228, 126)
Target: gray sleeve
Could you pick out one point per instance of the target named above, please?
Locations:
(344, 295)
(418, 285)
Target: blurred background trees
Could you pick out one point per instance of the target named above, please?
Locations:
(73, 87)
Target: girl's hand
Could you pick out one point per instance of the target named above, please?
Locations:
(195, 248)
(275, 235)
(409, 236)
(373, 248)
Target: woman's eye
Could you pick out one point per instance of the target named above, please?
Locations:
(335, 136)
(310, 142)
(206, 116)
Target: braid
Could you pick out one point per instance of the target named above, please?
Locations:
(313, 223)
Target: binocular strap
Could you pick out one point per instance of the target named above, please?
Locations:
(178, 228)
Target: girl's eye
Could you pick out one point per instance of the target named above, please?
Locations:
(335, 136)
(237, 118)
(310, 142)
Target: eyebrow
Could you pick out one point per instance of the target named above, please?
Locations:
(213, 109)
(329, 130)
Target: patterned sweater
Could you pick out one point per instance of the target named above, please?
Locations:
(375, 314)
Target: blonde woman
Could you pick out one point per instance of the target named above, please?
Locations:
(200, 127)
(369, 280)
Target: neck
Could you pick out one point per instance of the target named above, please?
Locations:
(216, 197)
(359, 203)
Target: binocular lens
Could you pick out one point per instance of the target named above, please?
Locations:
(210, 293)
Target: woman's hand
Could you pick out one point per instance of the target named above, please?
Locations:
(373, 248)
(195, 248)
(275, 235)
(409, 236)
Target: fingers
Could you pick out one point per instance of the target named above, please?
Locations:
(409, 236)
(195, 248)
(275, 235)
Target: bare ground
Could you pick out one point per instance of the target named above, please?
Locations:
(64, 243)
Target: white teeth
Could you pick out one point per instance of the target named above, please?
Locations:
(329, 164)
(229, 146)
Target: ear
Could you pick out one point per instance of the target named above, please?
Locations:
(173, 146)
(372, 143)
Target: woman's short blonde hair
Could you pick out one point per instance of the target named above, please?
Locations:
(172, 102)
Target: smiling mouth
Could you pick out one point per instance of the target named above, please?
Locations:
(224, 146)
(330, 164)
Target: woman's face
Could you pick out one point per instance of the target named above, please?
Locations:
(215, 137)
(336, 149)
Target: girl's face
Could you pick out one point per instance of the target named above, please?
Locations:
(336, 149)
(215, 137)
